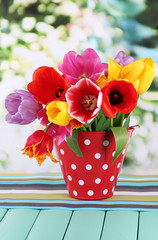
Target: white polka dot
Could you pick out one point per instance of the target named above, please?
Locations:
(90, 193)
(113, 189)
(75, 193)
(118, 165)
(113, 153)
(106, 143)
(105, 166)
(81, 182)
(88, 167)
(105, 191)
(87, 142)
(112, 178)
(124, 150)
(97, 180)
(69, 177)
(73, 166)
(62, 151)
(61, 162)
(97, 155)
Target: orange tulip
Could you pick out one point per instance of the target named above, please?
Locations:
(39, 145)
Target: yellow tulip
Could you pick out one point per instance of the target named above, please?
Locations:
(114, 70)
(146, 76)
(57, 112)
(101, 81)
(140, 73)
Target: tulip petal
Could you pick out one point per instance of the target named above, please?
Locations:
(22, 107)
(57, 112)
(122, 59)
(118, 96)
(39, 145)
(101, 81)
(81, 97)
(114, 70)
(86, 65)
(146, 76)
(59, 133)
(132, 71)
(48, 84)
(140, 73)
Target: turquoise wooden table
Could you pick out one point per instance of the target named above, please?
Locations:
(39, 207)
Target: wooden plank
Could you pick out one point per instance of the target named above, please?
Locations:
(50, 224)
(2, 213)
(17, 223)
(85, 225)
(148, 226)
(120, 225)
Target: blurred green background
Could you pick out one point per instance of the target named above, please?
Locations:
(40, 32)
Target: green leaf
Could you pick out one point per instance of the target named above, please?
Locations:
(100, 123)
(72, 143)
(127, 121)
(106, 125)
(118, 120)
(103, 124)
(121, 137)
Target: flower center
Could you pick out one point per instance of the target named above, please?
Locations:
(115, 97)
(84, 75)
(58, 92)
(89, 102)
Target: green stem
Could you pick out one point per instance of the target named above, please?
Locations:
(84, 128)
(111, 122)
(48, 127)
(122, 118)
(96, 122)
(90, 128)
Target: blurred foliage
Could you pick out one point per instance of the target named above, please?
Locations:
(3, 159)
(40, 32)
(130, 24)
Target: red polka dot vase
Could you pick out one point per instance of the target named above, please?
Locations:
(92, 176)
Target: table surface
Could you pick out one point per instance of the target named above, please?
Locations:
(58, 224)
(39, 207)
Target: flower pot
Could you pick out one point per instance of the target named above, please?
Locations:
(92, 176)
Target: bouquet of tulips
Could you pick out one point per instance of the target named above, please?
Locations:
(88, 96)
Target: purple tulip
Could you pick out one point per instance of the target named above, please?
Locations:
(22, 107)
(122, 59)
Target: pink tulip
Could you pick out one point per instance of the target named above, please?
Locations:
(59, 133)
(42, 116)
(86, 65)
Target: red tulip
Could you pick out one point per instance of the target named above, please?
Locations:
(39, 145)
(84, 100)
(48, 84)
(118, 96)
